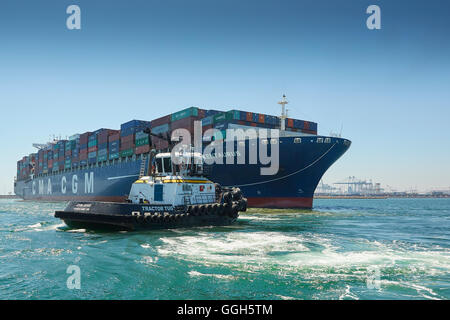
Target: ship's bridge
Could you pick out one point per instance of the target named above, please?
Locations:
(186, 163)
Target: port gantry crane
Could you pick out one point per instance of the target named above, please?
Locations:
(357, 186)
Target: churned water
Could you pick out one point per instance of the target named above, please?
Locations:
(343, 249)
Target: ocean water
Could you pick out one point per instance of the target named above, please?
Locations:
(343, 249)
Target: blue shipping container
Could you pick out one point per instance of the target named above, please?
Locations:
(133, 126)
(207, 121)
(298, 124)
(209, 113)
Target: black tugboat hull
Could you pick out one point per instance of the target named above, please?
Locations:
(127, 216)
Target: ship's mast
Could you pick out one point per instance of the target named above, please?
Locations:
(283, 117)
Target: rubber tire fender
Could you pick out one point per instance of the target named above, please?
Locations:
(215, 209)
(202, 210)
(237, 194)
(227, 197)
(243, 204)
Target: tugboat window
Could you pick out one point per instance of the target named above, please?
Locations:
(159, 165)
(167, 164)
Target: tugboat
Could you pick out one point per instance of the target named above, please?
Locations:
(171, 196)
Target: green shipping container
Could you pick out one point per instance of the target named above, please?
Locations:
(189, 112)
(70, 145)
(127, 153)
(102, 158)
(142, 142)
(235, 114)
(141, 135)
(92, 143)
(221, 117)
(113, 156)
(68, 164)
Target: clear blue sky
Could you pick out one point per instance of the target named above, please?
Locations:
(388, 88)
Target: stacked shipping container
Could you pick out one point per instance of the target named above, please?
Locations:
(128, 132)
(114, 145)
(106, 144)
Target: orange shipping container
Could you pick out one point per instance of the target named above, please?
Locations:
(309, 131)
(261, 118)
(249, 116)
(290, 123)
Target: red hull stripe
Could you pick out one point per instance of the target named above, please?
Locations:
(281, 202)
(274, 202)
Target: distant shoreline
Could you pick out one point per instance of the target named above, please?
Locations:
(9, 196)
(383, 197)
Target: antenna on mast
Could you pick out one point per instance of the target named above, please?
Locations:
(283, 117)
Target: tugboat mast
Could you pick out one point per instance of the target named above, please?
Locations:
(283, 117)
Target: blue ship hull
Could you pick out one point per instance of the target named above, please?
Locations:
(301, 166)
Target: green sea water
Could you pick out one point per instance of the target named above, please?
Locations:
(343, 249)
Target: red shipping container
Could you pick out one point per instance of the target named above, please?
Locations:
(249, 116)
(114, 137)
(50, 164)
(186, 123)
(261, 118)
(290, 123)
(102, 137)
(84, 137)
(160, 121)
(309, 131)
(142, 149)
(306, 125)
(127, 145)
(160, 143)
(253, 124)
(68, 153)
(127, 139)
(92, 149)
(83, 156)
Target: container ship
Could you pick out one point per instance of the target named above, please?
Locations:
(101, 165)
